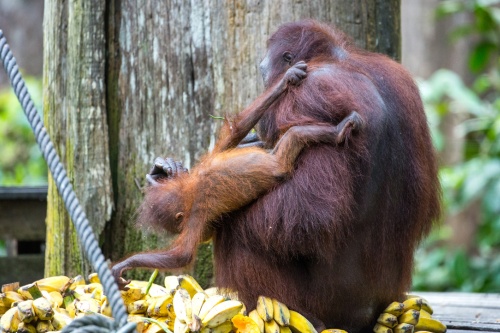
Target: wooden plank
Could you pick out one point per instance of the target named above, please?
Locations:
(23, 192)
(23, 268)
(466, 312)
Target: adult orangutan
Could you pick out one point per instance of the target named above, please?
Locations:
(335, 240)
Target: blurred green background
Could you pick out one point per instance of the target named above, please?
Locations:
(463, 252)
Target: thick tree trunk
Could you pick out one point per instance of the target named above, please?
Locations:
(75, 116)
(173, 64)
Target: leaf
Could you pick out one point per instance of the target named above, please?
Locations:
(480, 56)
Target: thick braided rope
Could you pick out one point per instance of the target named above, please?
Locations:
(82, 226)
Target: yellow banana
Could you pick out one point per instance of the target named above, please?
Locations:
(105, 307)
(429, 324)
(379, 328)
(43, 308)
(26, 328)
(190, 284)
(226, 327)
(281, 314)
(138, 320)
(180, 327)
(425, 314)
(387, 319)
(53, 283)
(209, 303)
(258, 320)
(56, 299)
(222, 312)
(286, 329)
(10, 286)
(10, 297)
(132, 294)
(182, 306)
(404, 328)
(60, 320)
(9, 323)
(171, 283)
(25, 310)
(160, 307)
(197, 302)
(76, 281)
(3, 309)
(29, 291)
(212, 291)
(395, 308)
(300, 324)
(44, 326)
(265, 308)
(409, 317)
(271, 326)
(412, 304)
(138, 307)
(89, 306)
(425, 303)
(94, 278)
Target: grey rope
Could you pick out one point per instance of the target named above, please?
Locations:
(82, 226)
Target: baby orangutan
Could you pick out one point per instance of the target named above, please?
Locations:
(225, 180)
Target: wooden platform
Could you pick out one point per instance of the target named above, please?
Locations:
(466, 312)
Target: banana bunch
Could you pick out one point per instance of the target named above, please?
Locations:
(272, 316)
(36, 307)
(412, 316)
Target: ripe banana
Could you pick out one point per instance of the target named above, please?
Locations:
(387, 319)
(25, 310)
(61, 319)
(412, 304)
(94, 278)
(271, 326)
(138, 307)
(281, 314)
(197, 302)
(182, 306)
(88, 306)
(160, 307)
(429, 324)
(53, 283)
(171, 283)
(43, 308)
(379, 328)
(221, 312)
(425, 314)
(180, 327)
(300, 324)
(265, 308)
(44, 326)
(209, 303)
(9, 323)
(10, 297)
(226, 327)
(410, 317)
(286, 329)
(258, 320)
(26, 328)
(190, 284)
(425, 303)
(395, 308)
(404, 328)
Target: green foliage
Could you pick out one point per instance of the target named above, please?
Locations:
(477, 179)
(21, 162)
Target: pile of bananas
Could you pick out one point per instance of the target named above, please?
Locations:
(414, 315)
(181, 306)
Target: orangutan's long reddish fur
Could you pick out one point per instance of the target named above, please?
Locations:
(336, 241)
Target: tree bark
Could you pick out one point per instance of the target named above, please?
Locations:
(75, 116)
(172, 64)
